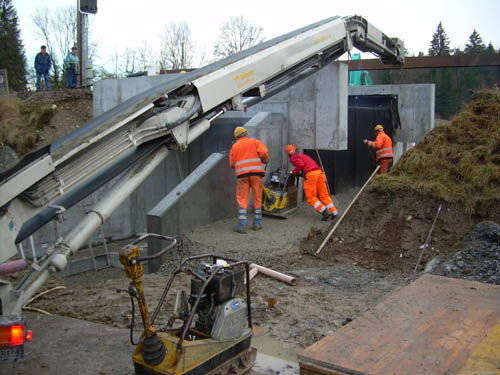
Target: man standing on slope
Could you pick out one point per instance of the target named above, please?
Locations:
(315, 182)
(383, 147)
(247, 157)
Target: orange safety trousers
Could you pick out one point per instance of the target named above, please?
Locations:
(316, 192)
(385, 165)
(243, 186)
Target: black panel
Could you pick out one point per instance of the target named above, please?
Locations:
(351, 168)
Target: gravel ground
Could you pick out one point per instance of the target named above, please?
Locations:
(479, 258)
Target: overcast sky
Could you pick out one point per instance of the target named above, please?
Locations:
(126, 23)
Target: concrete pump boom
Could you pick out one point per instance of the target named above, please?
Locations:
(135, 136)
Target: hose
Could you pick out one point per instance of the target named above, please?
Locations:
(132, 294)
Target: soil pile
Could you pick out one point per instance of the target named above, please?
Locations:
(457, 162)
(457, 165)
(480, 258)
(30, 122)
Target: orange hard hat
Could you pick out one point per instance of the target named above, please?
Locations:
(290, 149)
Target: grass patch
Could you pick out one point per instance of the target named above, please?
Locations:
(19, 123)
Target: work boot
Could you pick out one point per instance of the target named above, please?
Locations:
(325, 215)
(240, 229)
(257, 226)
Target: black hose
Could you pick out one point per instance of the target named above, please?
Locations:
(132, 319)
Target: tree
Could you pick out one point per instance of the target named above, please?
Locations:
(475, 45)
(57, 29)
(440, 45)
(176, 46)
(236, 35)
(12, 55)
(490, 50)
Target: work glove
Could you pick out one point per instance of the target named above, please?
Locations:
(365, 141)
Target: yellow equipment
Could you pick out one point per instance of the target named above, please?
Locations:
(218, 341)
(279, 196)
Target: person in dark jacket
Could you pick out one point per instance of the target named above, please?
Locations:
(43, 63)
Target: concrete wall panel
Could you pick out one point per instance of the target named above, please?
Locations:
(203, 196)
(415, 105)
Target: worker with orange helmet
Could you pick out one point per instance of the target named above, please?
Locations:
(315, 184)
(383, 149)
(248, 157)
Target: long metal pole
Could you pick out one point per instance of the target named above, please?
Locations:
(345, 212)
(124, 187)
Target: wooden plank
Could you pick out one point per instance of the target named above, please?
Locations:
(429, 327)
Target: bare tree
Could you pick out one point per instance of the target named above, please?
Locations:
(236, 35)
(57, 30)
(176, 46)
(146, 56)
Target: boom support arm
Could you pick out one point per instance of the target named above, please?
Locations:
(170, 115)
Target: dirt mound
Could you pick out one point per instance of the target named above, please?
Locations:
(457, 162)
(30, 122)
(456, 165)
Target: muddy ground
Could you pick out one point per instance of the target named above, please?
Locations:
(331, 291)
(373, 252)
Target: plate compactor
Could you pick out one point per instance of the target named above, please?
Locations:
(209, 332)
(279, 196)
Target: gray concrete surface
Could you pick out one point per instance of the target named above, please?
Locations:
(108, 93)
(315, 109)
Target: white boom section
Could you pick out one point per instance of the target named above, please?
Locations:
(217, 87)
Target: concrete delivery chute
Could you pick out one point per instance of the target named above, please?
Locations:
(133, 137)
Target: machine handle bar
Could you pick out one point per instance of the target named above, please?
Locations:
(172, 240)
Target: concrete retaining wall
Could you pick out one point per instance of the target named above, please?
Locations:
(415, 106)
(315, 109)
(205, 195)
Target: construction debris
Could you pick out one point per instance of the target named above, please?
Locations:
(275, 274)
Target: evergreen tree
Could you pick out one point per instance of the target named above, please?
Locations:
(12, 55)
(490, 50)
(475, 45)
(440, 45)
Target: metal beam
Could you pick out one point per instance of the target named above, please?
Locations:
(424, 62)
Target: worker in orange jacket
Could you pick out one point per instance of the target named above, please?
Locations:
(248, 157)
(383, 149)
(315, 184)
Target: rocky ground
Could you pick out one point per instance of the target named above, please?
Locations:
(478, 259)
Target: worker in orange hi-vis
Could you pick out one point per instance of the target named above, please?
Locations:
(315, 184)
(383, 149)
(248, 157)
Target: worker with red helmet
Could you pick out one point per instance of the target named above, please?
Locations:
(248, 157)
(383, 149)
(315, 184)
